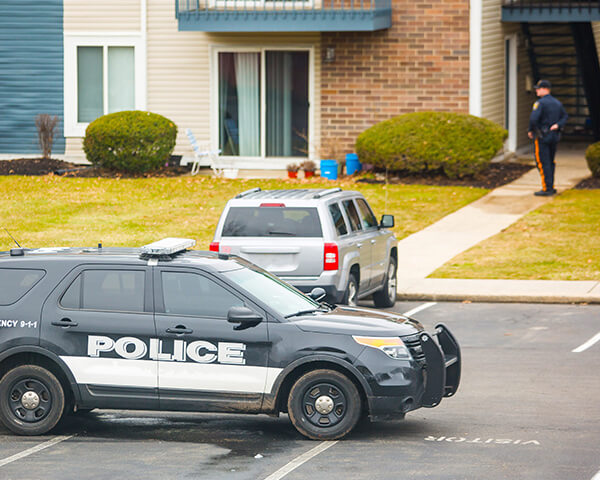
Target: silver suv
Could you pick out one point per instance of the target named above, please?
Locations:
(325, 238)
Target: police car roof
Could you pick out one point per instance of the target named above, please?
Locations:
(127, 255)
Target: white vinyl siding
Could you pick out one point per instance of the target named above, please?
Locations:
(492, 62)
(105, 15)
(180, 75)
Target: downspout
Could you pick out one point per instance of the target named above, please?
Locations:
(475, 55)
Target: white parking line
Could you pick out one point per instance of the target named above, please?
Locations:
(32, 450)
(420, 308)
(585, 346)
(305, 457)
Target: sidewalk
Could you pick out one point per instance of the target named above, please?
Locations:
(423, 252)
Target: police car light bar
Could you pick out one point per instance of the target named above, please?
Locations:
(168, 246)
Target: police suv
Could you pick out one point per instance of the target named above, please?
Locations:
(164, 328)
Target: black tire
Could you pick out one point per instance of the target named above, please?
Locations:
(32, 400)
(386, 297)
(324, 405)
(351, 294)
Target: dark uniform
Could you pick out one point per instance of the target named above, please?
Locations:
(546, 112)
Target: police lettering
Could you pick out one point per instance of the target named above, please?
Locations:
(199, 351)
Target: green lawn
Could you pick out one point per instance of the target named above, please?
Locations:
(559, 241)
(58, 211)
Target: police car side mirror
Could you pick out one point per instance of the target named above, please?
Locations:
(387, 221)
(317, 294)
(243, 316)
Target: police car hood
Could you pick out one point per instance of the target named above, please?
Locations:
(358, 321)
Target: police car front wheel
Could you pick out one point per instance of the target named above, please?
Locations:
(32, 400)
(324, 405)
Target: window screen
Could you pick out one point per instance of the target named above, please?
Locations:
(113, 290)
(272, 222)
(16, 282)
(338, 219)
(192, 294)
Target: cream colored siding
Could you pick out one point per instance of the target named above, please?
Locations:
(493, 75)
(180, 74)
(178, 68)
(105, 15)
(492, 62)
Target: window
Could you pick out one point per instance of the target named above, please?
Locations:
(272, 222)
(16, 282)
(352, 215)
(103, 75)
(91, 82)
(192, 294)
(112, 290)
(367, 218)
(338, 219)
(263, 103)
(283, 298)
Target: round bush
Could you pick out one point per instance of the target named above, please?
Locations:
(456, 143)
(592, 155)
(130, 141)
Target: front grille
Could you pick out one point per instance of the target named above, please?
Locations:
(414, 346)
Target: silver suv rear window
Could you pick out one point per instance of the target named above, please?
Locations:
(272, 221)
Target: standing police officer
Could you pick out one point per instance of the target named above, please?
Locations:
(547, 118)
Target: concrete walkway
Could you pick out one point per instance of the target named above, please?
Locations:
(423, 252)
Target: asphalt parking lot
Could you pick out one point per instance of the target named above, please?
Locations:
(527, 408)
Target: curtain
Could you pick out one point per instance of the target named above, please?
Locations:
(248, 96)
(279, 104)
(121, 79)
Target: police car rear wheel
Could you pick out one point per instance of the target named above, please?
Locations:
(324, 405)
(32, 400)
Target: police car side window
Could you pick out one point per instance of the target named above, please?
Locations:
(191, 294)
(112, 290)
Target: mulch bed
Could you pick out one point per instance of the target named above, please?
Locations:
(40, 166)
(589, 183)
(496, 175)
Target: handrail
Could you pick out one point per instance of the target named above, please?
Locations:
(234, 6)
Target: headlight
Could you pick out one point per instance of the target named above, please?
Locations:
(393, 347)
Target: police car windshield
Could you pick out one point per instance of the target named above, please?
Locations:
(280, 296)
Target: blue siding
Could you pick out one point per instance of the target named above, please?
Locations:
(31, 72)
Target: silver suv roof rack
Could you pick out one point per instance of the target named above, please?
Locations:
(167, 246)
(248, 192)
(327, 192)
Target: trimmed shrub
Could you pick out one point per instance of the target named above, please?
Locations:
(130, 141)
(592, 155)
(456, 143)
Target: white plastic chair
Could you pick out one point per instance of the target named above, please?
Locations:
(203, 155)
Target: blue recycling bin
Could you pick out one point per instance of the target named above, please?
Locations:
(329, 169)
(352, 163)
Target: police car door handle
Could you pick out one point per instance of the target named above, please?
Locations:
(180, 330)
(65, 322)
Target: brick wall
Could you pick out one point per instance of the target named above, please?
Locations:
(420, 63)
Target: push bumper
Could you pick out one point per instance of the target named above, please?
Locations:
(443, 365)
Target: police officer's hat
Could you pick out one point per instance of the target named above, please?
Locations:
(543, 84)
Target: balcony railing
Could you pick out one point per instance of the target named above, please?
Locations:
(551, 10)
(283, 15)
